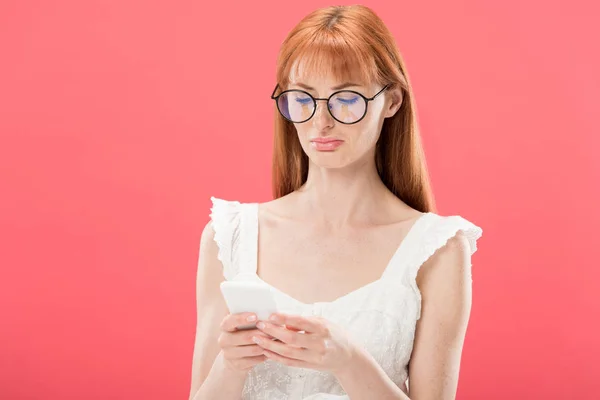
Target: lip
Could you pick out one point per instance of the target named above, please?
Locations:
(326, 144)
(326, 140)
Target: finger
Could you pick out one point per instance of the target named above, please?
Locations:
(290, 362)
(249, 362)
(252, 350)
(232, 321)
(284, 349)
(285, 335)
(291, 328)
(300, 323)
(239, 338)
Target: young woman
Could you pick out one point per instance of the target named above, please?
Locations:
(373, 286)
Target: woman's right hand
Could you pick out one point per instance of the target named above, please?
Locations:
(238, 350)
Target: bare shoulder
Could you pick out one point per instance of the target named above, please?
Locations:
(278, 210)
(451, 259)
(455, 248)
(398, 211)
(279, 206)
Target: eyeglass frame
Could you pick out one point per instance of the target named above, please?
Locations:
(366, 99)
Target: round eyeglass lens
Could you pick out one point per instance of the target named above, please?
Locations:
(347, 107)
(296, 106)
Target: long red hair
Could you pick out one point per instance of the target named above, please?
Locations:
(353, 42)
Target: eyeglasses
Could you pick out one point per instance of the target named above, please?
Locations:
(345, 106)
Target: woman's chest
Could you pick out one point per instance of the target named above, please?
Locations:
(313, 266)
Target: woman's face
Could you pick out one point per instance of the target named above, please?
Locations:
(330, 143)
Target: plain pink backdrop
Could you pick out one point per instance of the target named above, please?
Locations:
(119, 119)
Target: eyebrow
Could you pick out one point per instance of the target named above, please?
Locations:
(338, 87)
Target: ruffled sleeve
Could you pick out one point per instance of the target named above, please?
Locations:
(226, 219)
(442, 229)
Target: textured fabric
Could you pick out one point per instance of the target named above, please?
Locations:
(381, 316)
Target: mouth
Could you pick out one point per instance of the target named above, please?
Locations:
(326, 144)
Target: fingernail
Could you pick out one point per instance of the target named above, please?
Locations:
(260, 325)
(255, 340)
(251, 318)
(274, 318)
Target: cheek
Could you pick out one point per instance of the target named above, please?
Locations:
(301, 130)
(303, 134)
(367, 134)
(367, 139)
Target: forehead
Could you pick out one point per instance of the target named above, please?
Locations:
(327, 80)
(325, 69)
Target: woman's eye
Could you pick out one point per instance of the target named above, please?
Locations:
(348, 100)
(303, 100)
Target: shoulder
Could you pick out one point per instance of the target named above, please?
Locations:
(450, 233)
(279, 212)
(226, 215)
(222, 207)
(219, 234)
(445, 273)
(445, 248)
(450, 260)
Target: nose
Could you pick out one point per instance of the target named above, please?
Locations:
(322, 119)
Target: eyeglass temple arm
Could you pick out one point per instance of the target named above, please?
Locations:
(378, 93)
(274, 90)
(369, 99)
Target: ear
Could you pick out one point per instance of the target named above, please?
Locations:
(395, 98)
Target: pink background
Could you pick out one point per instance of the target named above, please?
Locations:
(119, 119)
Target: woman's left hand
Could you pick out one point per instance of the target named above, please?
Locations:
(322, 346)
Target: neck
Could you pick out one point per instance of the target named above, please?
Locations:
(352, 195)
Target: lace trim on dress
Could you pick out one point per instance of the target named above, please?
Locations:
(225, 216)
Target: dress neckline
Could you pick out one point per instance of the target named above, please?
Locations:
(401, 249)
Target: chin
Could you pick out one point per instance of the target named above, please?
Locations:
(329, 159)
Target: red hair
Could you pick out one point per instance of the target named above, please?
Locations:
(353, 43)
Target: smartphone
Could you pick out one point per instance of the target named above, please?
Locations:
(248, 296)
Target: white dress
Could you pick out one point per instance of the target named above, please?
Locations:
(381, 315)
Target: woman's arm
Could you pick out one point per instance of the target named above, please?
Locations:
(210, 380)
(445, 284)
(365, 379)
